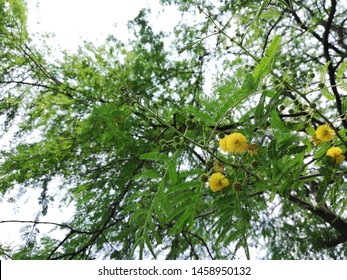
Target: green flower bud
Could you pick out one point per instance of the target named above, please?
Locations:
(321, 85)
(221, 135)
(164, 146)
(177, 139)
(237, 186)
(204, 177)
(313, 105)
(209, 164)
(178, 146)
(311, 75)
(189, 122)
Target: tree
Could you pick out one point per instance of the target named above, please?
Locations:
(136, 136)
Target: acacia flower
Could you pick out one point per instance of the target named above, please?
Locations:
(336, 154)
(325, 133)
(236, 143)
(218, 167)
(315, 140)
(253, 149)
(218, 181)
(223, 144)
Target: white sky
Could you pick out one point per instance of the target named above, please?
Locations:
(73, 21)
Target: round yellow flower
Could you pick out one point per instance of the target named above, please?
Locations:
(325, 133)
(223, 144)
(218, 181)
(236, 143)
(336, 154)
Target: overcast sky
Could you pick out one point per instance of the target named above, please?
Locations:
(73, 21)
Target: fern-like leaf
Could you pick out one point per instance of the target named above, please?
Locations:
(327, 94)
(340, 74)
(264, 66)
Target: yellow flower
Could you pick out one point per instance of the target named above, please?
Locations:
(223, 144)
(336, 154)
(315, 140)
(236, 143)
(218, 167)
(253, 149)
(325, 133)
(218, 181)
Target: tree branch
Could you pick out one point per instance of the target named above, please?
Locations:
(331, 68)
(202, 240)
(322, 211)
(314, 34)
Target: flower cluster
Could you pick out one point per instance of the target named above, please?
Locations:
(236, 143)
(324, 133)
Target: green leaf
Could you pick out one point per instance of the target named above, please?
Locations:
(148, 244)
(270, 13)
(172, 168)
(322, 150)
(265, 65)
(232, 95)
(276, 122)
(183, 221)
(155, 156)
(327, 94)
(341, 81)
(259, 111)
(147, 174)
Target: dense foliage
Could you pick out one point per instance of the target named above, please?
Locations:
(159, 163)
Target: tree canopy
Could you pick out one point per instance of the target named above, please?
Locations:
(223, 139)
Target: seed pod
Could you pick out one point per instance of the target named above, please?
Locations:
(237, 186)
